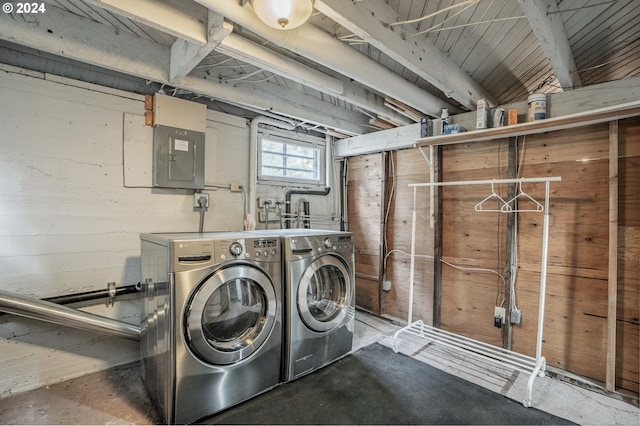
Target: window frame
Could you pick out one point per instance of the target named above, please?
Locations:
(308, 142)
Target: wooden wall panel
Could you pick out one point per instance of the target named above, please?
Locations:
(575, 322)
(473, 240)
(576, 305)
(406, 167)
(575, 335)
(364, 201)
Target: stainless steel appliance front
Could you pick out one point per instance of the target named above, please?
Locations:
(212, 320)
(319, 298)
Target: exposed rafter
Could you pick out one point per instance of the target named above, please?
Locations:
(323, 48)
(67, 35)
(548, 28)
(186, 54)
(367, 20)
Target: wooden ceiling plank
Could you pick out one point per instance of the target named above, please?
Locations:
(368, 19)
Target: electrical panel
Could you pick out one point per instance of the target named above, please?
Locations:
(178, 142)
(178, 158)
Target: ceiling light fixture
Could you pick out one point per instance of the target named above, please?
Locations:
(283, 14)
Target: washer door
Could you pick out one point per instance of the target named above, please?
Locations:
(231, 314)
(324, 293)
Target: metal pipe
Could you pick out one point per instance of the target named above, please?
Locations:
(50, 312)
(290, 192)
(92, 295)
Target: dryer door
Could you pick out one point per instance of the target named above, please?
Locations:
(231, 314)
(324, 293)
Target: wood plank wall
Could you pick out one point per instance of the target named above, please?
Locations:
(473, 240)
(405, 167)
(576, 305)
(365, 180)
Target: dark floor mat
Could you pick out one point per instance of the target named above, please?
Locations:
(374, 385)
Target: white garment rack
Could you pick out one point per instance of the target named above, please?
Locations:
(535, 366)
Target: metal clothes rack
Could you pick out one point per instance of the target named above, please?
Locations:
(535, 366)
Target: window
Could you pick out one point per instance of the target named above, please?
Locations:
(290, 160)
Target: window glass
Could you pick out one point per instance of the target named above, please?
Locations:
(289, 160)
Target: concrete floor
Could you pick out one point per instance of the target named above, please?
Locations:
(117, 396)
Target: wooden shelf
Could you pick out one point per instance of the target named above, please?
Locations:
(617, 112)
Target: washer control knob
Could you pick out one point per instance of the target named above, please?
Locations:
(327, 243)
(235, 248)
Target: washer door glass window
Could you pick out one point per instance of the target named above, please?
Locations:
(231, 314)
(324, 293)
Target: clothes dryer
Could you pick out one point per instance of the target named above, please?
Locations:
(319, 312)
(211, 332)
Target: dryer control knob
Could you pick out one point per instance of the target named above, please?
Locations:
(327, 243)
(235, 248)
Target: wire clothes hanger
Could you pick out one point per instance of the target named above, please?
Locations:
(504, 206)
(507, 206)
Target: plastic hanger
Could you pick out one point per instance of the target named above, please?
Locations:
(504, 207)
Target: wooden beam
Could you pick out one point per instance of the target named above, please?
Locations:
(613, 257)
(368, 20)
(548, 27)
(186, 55)
(512, 173)
(158, 15)
(64, 34)
(437, 240)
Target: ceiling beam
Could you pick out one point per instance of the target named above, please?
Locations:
(70, 36)
(186, 54)
(369, 20)
(325, 49)
(159, 15)
(548, 27)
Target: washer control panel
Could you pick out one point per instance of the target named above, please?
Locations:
(312, 245)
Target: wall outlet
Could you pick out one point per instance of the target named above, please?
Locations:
(499, 315)
(235, 187)
(197, 197)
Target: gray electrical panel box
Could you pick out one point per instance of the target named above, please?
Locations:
(178, 158)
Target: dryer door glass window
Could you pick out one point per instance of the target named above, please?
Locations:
(231, 314)
(234, 315)
(324, 293)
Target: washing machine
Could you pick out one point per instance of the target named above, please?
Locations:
(211, 332)
(319, 308)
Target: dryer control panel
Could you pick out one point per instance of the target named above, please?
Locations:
(265, 249)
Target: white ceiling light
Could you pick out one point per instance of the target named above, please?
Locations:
(283, 14)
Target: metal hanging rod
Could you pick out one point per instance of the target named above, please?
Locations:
(488, 181)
